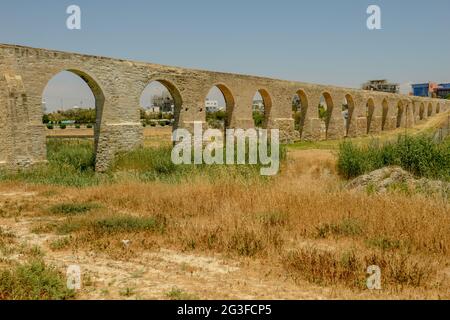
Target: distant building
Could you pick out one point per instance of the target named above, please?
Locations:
(164, 102)
(153, 110)
(381, 85)
(431, 89)
(212, 106)
(443, 90)
(258, 105)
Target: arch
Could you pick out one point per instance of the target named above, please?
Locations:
(97, 92)
(267, 106)
(175, 96)
(438, 108)
(228, 97)
(400, 110)
(430, 109)
(421, 111)
(370, 109)
(385, 107)
(348, 110)
(300, 115)
(328, 100)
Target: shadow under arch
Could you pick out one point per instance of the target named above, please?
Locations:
(400, 111)
(350, 112)
(176, 96)
(267, 100)
(370, 109)
(421, 111)
(229, 103)
(304, 109)
(430, 109)
(329, 110)
(385, 110)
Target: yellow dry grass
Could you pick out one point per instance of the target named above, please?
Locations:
(302, 225)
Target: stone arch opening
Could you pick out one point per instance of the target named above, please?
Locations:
(348, 107)
(422, 111)
(73, 99)
(430, 110)
(385, 107)
(400, 111)
(370, 109)
(261, 108)
(438, 108)
(219, 107)
(161, 104)
(325, 110)
(299, 110)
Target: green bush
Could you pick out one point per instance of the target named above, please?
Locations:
(50, 127)
(63, 126)
(419, 155)
(33, 281)
(89, 126)
(70, 209)
(78, 155)
(77, 126)
(258, 118)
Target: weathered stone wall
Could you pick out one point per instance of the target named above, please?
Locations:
(118, 84)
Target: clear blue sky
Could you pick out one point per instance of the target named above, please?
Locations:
(313, 41)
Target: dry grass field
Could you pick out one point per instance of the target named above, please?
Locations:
(299, 235)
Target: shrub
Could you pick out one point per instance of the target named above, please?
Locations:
(258, 118)
(89, 126)
(351, 161)
(78, 155)
(33, 281)
(77, 126)
(348, 227)
(62, 126)
(50, 127)
(419, 155)
(70, 209)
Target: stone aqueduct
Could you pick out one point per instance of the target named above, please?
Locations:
(117, 86)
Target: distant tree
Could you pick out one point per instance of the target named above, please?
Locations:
(258, 118)
(45, 119)
(323, 112)
(80, 116)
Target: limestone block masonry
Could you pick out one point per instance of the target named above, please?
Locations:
(117, 86)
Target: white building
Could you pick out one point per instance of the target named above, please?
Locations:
(212, 106)
(154, 109)
(258, 105)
